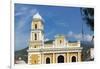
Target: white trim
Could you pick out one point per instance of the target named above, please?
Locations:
(75, 3)
(54, 49)
(55, 52)
(62, 51)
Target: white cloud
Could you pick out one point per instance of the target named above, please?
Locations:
(88, 37)
(33, 11)
(46, 39)
(23, 21)
(21, 41)
(18, 13)
(70, 33)
(61, 23)
(85, 37)
(25, 10)
(49, 33)
(21, 12)
(78, 36)
(20, 25)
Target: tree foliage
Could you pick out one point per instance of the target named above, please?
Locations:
(88, 17)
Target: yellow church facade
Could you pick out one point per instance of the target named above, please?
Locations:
(58, 50)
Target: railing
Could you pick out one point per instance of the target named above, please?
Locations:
(55, 49)
(35, 43)
(73, 44)
(48, 45)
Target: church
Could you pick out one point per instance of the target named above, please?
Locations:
(58, 50)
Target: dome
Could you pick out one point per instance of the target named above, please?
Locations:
(37, 16)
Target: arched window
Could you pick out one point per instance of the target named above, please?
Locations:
(35, 46)
(60, 41)
(35, 36)
(60, 59)
(35, 26)
(35, 61)
(73, 59)
(47, 60)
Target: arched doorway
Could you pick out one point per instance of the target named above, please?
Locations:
(60, 59)
(47, 60)
(73, 59)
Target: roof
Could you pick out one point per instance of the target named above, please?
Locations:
(48, 42)
(37, 16)
(72, 41)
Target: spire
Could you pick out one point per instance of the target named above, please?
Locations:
(37, 16)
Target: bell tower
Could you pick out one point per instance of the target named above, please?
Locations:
(36, 40)
(37, 32)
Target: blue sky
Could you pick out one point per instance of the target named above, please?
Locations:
(57, 20)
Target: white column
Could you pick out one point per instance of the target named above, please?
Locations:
(29, 58)
(31, 36)
(68, 60)
(42, 58)
(65, 58)
(54, 58)
(79, 57)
